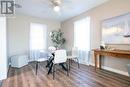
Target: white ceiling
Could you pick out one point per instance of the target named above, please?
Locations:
(43, 8)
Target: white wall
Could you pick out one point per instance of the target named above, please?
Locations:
(18, 32)
(3, 55)
(110, 9)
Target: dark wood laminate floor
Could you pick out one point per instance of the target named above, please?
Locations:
(83, 77)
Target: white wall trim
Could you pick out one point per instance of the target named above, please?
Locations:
(84, 63)
(3, 49)
(113, 70)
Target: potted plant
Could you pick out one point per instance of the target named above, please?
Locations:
(57, 38)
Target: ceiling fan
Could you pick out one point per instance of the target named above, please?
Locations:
(56, 5)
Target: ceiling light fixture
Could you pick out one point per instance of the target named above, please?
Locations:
(56, 8)
(56, 5)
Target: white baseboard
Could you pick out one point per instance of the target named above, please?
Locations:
(84, 63)
(113, 70)
(3, 76)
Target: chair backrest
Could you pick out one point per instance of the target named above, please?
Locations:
(75, 52)
(60, 56)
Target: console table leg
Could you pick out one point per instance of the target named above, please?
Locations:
(95, 58)
(100, 61)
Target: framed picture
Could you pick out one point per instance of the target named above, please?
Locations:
(116, 30)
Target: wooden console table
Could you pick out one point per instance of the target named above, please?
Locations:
(114, 53)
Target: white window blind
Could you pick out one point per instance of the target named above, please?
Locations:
(82, 39)
(82, 34)
(38, 36)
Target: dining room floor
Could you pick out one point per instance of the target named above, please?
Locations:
(85, 76)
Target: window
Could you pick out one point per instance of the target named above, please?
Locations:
(82, 34)
(38, 36)
(82, 39)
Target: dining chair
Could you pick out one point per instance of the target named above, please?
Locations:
(60, 57)
(74, 55)
(42, 58)
(39, 61)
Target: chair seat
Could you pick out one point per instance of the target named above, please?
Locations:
(42, 59)
(71, 57)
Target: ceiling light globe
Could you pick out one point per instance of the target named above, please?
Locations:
(57, 8)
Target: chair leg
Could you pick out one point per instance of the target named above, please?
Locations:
(53, 71)
(36, 67)
(69, 64)
(71, 61)
(67, 69)
(78, 62)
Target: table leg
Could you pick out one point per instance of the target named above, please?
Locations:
(36, 67)
(49, 62)
(100, 61)
(50, 68)
(95, 58)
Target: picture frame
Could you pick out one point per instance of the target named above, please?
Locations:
(116, 30)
